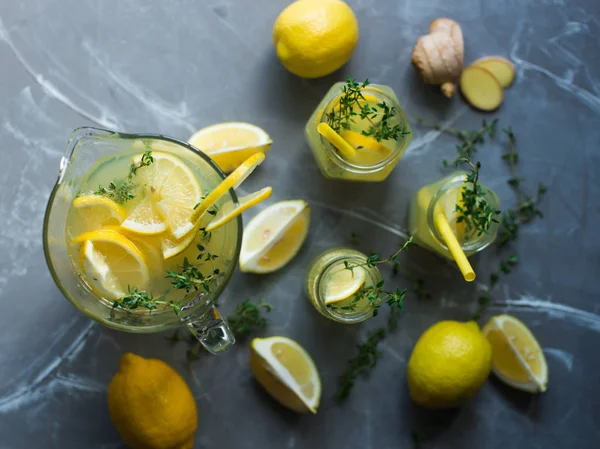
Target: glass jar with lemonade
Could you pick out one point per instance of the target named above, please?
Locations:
(369, 128)
(444, 196)
(339, 285)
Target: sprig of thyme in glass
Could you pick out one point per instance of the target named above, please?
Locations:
(247, 318)
(123, 190)
(140, 298)
(473, 210)
(361, 364)
(190, 277)
(352, 105)
(376, 294)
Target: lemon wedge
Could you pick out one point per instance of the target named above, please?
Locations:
(170, 193)
(230, 144)
(112, 262)
(517, 358)
(343, 284)
(97, 211)
(274, 236)
(232, 181)
(287, 372)
(229, 211)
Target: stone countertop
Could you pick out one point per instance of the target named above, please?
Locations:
(174, 67)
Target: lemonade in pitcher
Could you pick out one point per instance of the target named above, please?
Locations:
(133, 234)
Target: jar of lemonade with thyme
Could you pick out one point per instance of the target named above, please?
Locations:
(343, 287)
(475, 227)
(370, 123)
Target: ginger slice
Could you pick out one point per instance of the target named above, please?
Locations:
(502, 69)
(480, 88)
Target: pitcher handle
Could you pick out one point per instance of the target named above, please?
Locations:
(213, 332)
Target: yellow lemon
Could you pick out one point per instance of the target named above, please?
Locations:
(287, 372)
(518, 359)
(314, 38)
(449, 364)
(151, 405)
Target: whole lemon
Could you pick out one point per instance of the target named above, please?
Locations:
(314, 38)
(449, 364)
(151, 405)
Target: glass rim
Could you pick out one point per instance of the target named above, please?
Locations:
(394, 153)
(74, 138)
(351, 317)
(472, 245)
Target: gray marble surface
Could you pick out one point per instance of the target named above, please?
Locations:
(173, 67)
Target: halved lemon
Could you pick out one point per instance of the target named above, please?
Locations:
(287, 372)
(230, 144)
(517, 358)
(97, 211)
(343, 284)
(274, 236)
(228, 211)
(232, 181)
(112, 262)
(170, 193)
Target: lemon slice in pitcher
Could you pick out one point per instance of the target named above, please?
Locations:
(232, 181)
(228, 211)
(287, 372)
(230, 144)
(170, 194)
(97, 211)
(112, 262)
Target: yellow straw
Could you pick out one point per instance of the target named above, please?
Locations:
(336, 140)
(441, 223)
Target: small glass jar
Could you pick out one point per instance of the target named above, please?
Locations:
(327, 265)
(443, 195)
(376, 159)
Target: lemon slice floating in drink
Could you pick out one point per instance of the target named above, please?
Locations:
(112, 262)
(97, 211)
(517, 358)
(343, 284)
(274, 236)
(287, 372)
(230, 144)
(170, 193)
(228, 211)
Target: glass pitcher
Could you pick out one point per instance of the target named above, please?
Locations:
(86, 150)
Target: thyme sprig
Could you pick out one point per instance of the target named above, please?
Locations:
(361, 364)
(248, 318)
(123, 190)
(140, 298)
(473, 210)
(353, 105)
(190, 277)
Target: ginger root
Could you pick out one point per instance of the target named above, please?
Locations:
(439, 55)
(480, 88)
(502, 69)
